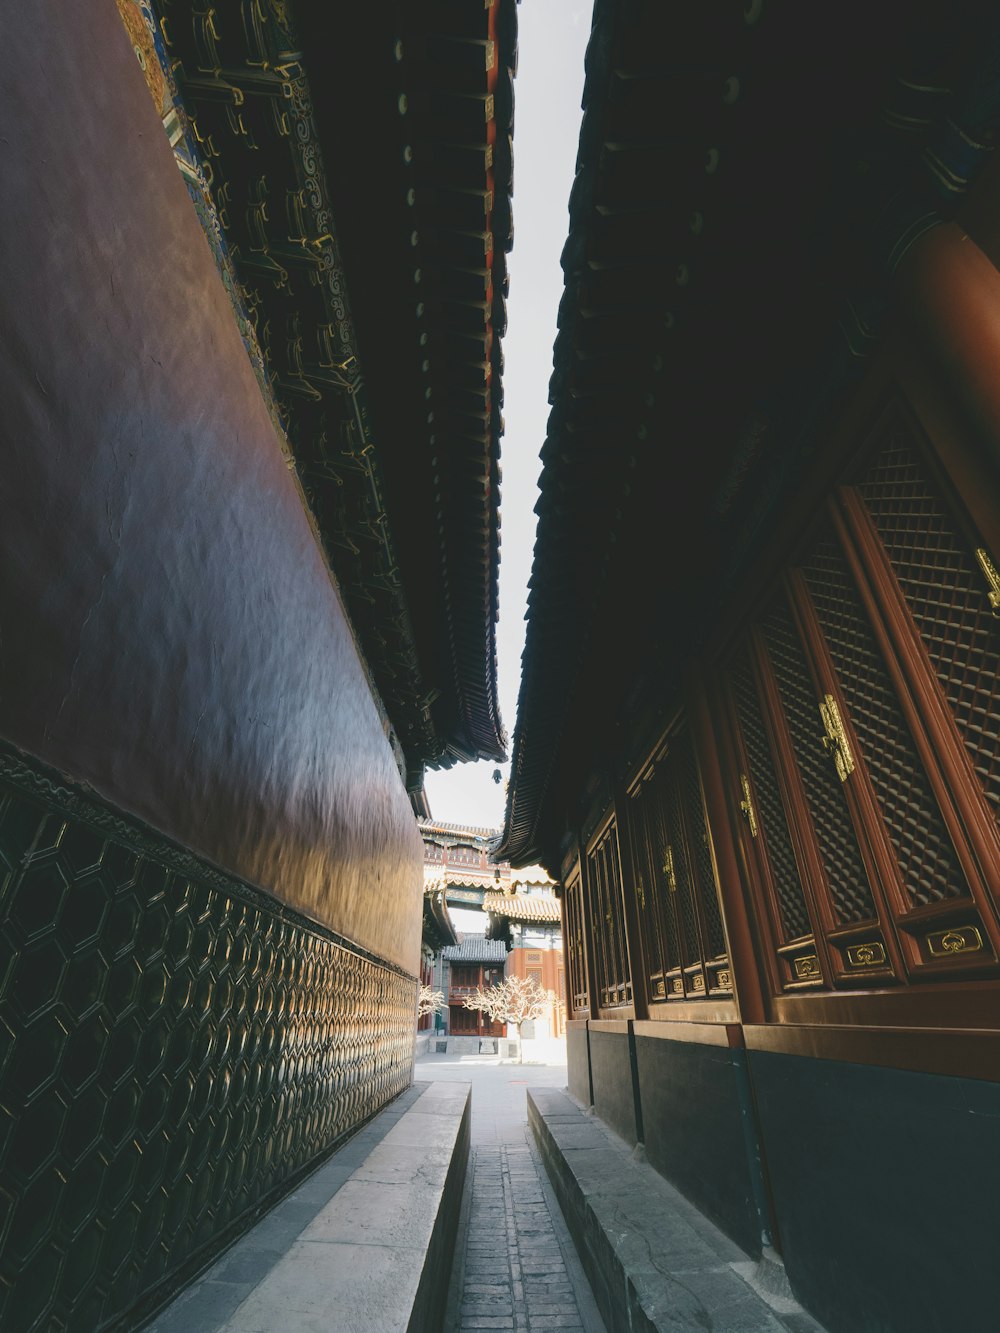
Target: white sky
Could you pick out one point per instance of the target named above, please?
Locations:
(552, 41)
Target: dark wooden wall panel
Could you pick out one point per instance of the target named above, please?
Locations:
(612, 1081)
(884, 1184)
(578, 1060)
(170, 633)
(694, 1131)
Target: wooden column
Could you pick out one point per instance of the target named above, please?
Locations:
(949, 291)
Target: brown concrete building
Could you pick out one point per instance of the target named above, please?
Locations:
(250, 368)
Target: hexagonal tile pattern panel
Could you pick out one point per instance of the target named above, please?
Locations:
(183, 1048)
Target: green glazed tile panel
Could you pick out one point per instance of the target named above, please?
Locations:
(175, 1049)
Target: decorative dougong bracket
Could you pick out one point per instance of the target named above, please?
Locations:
(835, 740)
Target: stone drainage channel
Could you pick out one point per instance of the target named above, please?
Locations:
(515, 1266)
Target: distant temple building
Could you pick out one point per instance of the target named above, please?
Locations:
(473, 962)
(521, 932)
(528, 919)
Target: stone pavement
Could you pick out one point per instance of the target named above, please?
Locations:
(515, 1267)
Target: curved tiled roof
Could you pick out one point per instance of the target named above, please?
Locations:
(523, 906)
(422, 197)
(472, 833)
(476, 949)
(359, 163)
(438, 927)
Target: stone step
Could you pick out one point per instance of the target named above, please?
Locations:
(655, 1264)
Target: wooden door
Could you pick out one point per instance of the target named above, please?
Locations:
(864, 712)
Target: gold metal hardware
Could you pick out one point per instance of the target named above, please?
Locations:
(668, 868)
(807, 967)
(724, 980)
(677, 986)
(746, 805)
(992, 578)
(865, 955)
(698, 982)
(963, 939)
(835, 740)
(659, 990)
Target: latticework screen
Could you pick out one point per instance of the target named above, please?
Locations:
(912, 819)
(607, 922)
(576, 956)
(657, 926)
(850, 891)
(946, 594)
(683, 939)
(770, 822)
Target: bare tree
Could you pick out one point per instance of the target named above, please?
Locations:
(513, 1000)
(429, 1002)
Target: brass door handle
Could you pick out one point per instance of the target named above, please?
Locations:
(834, 739)
(746, 805)
(992, 578)
(668, 868)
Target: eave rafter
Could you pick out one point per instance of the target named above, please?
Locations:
(262, 147)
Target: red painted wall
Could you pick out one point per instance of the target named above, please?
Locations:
(170, 631)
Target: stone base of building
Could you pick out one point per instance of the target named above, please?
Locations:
(654, 1262)
(464, 1045)
(755, 1139)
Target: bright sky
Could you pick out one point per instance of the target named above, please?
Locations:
(552, 41)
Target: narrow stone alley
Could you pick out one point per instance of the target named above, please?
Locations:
(356, 1248)
(513, 1273)
(515, 1266)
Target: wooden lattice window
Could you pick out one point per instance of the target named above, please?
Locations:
(607, 921)
(681, 935)
(576, 947)
(939, 572)
(864, 708)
